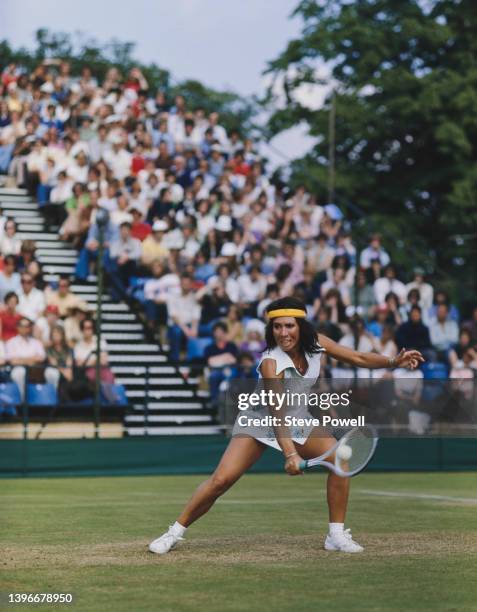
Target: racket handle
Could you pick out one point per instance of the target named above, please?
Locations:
(303, 465)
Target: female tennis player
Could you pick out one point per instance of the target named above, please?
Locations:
(293, 351)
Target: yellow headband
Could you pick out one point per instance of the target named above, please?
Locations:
(287, 312)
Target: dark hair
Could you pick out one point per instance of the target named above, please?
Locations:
(220, 325)
(9, 296)
(308, 341)
(415, 307)
(84, 321)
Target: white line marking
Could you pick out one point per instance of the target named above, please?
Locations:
(444, 498)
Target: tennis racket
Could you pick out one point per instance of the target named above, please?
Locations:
(350, 455)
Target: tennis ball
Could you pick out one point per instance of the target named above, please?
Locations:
(344, 452)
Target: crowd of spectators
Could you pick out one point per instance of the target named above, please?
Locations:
(197, 232)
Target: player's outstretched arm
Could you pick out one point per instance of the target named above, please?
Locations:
(405, 359)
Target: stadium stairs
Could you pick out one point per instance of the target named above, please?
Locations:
(173, 405)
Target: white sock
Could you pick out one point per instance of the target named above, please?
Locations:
(336, 528)
(178, 529)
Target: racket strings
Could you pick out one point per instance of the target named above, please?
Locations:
(361, 444)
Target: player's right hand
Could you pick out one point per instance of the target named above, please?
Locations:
(292, 465)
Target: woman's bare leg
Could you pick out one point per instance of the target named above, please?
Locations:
(337, 488)
(239, 456)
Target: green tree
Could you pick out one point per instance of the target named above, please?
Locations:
(404, 74)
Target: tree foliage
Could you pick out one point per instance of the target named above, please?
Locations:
(404, 74)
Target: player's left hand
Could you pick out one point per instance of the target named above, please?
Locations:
(408, 359)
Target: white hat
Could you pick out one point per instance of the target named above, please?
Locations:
(229, 250)
(255, 325)
(223, 224)
(160, 226)
(47, 87)
(113, 119)
(174, 240)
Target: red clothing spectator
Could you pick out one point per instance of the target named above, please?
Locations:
(138, 163)
(140, 230)
(8, 324)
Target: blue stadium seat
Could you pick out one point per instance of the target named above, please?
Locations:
(434, 371)
(9, 398)
(42, 395)
(196, 347)
(114, 395)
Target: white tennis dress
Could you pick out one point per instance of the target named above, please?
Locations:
(304, 383)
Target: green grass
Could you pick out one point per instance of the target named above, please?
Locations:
(260, 548)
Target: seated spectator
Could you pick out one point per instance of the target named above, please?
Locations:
(44, 326)
(444, 332)
(215, 305)
(389, 283)
(9, 317)
(184, 315)
(233, 322)
(339, 283)
(376, 326)
(139, 228)
(251, 289)
(254, 343)
(10, 244)
(396, 313)
(31, 300)
(364, 301)
(153, 247)
(27, 261)
(84, 351)
(325, 326)
(385, 344)
(408, 388)
(426, 291)
(463, 348)
(124, 255)
(76, 314)
(220, 354)
(59, 359)
(441, 297)
(157, 291)
(246, 366)
(24, 351)
(9, 279)
(358, 339)
(64, 299)
(89, 253)
(337, 309)
(78, 213)
(374, 252)
(471, 325)
(413, 334)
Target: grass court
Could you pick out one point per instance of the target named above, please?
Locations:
(260, 548)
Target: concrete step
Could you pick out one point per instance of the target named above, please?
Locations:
(141, 370)
(203, 430)
(160, 394)
(168, 418)
(139, 359)
(153, 381)
(169, 405)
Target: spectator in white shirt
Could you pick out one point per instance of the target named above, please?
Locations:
(251, 289)
(184, 315)
(426, 290)
(23, 351)
(387, 284)
(443, 331)
(10, 244)
(31, 300)
(125, 253)
(9, 279)
(374, 251)
(118, 159)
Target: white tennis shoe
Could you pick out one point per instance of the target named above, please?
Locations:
(166, 542)
(342, 542)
